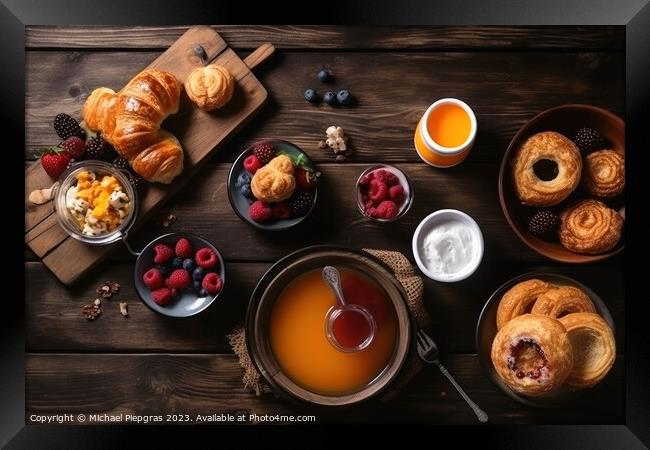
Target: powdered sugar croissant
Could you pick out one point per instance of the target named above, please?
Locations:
(275, 181)
(130, 121)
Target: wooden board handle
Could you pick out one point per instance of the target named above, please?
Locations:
(259, 55)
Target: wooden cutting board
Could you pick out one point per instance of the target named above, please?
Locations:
(200, 133)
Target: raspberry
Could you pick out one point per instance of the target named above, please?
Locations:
(281, 211)
(163, 253)
(162, 296)
(260, 211)
(396, 194)
(387, 177)
(179, 279)
(387, 209)
(212, 283)
(264, 152)
(206, 258)
(75, 146)
(252, 164)
(153, 279)
(184, 248)
(378, 190)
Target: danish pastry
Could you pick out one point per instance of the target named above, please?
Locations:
(210, 87)
(547, 145)
(532, 354)
(604, 173)
(275, 181)
(594, 348)
(562, 301)
(520, 299)
(590, 227)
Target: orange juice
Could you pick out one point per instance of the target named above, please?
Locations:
(449, 125)
(446, 132)
(299, 339)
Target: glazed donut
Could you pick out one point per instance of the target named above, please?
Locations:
(594, 348)
(547, 145)
(561, 301)
(520, 299)
(532, 354)
(590, 227)
(604, 173)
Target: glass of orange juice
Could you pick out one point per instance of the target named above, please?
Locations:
(446, 133)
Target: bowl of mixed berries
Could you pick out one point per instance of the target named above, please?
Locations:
(179, 274)
(384, 193)
(273, 185)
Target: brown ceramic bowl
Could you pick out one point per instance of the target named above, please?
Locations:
(278, 277)
(565, 119)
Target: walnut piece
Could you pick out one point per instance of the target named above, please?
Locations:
(124, 309)
(108, 288)
(40, 196)
(91, 311)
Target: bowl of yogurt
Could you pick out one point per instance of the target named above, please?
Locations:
(95, 203)
(448, 245)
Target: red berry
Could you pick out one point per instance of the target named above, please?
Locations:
(162, 296)
(184, 248)
(54, 161)
(163, 254)
(260, 211)
(396, 194)
(206, 258)
(387, 209)
(387, 177)
(74, 145)
(212, 283)
(305, 179)
(378, 190)
(264, 152)
(179, 279)
(153, 279)
(281, 210)
(365, 180)
(252, 164)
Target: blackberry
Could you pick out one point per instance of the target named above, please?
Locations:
(264, 152)
(98, 148)
(301, 203)
(543, 222)
(588, 140)
(136, 181)
(121, 163)
(66, 126)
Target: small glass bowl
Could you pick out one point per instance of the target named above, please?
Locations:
(67, 222)
(404, 181)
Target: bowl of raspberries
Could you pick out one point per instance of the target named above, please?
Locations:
(273, 185)
(179, 274)
(384, 193)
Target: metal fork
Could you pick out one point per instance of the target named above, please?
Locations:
(428, 351)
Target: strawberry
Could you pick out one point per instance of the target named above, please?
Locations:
(184, 248)
(281, 210)
(179, 279)
(206, 258)
(153, 279)
(163, 254)
(162, 296)
(252, 164)
(212, 283)
(54, 161)
(305, 178)
(75, 146)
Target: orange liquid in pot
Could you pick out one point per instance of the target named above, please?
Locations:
(299, 340)
(449, 125)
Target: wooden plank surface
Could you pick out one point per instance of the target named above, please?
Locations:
(54, 321)
(392, 89)
(211, 384)
(332, 37)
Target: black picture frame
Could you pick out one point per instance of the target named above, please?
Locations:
(633, 14)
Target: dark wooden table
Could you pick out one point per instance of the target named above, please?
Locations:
(148, 364)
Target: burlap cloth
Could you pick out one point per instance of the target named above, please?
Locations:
(414, 288)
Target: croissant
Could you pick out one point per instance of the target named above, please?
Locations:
(130, 121)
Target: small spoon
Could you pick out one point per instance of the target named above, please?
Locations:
(332, 277)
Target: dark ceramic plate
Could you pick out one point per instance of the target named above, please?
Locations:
(240, 204)
(565, 119)
(486, 330)
(188, 304)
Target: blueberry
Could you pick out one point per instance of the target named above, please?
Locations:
(325, 75)
(311, 96)
(246, 191)
(189, 264)
(244, 178)
(197, 286)
(164, 270)
(177, 263)
(203, 293)
(330, 98)
(343, 97)
(198, 274)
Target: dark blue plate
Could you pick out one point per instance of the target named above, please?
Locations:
(240, 204)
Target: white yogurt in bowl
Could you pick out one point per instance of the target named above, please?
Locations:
(448, 245)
